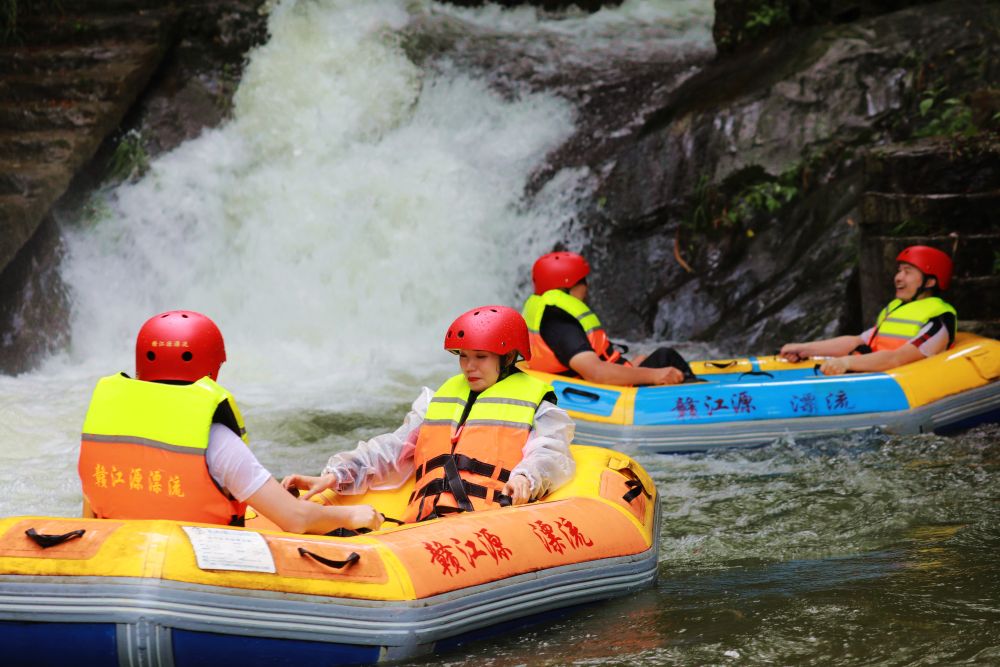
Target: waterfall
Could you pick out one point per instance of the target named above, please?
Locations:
(354, 205)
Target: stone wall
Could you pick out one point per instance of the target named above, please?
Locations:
(941, 193)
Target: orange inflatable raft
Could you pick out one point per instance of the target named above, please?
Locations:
(172, 593)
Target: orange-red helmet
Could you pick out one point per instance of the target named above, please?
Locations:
(179, 345)
(930, 261)
(558, 270)
(497, 329)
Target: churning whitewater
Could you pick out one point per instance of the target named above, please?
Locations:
(355, 203)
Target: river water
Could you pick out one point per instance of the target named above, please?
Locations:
(368, 189)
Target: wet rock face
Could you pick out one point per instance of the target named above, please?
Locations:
(33, 324)
(70, 78)
(194, 88)
(751, 174)
(67, 78)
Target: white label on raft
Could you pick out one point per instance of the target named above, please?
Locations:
(220, 549)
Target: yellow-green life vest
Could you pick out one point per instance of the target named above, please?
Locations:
(899, 323)
(542, 356)
(142, 453)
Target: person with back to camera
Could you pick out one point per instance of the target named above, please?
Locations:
(916, 324)
(567, 337)
(171, 443)
(489, 437)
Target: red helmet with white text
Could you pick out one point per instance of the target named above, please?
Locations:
(930, 261)
(179, 345)
(558, 270)
(496, 329)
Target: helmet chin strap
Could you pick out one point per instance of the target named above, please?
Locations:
(505, 371)
(920, 290)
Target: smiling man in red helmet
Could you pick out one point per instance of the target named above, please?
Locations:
(916, 324)
(567, 337)
(171, 444)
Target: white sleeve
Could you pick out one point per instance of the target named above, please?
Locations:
(932, 338)
(547, 461)
(385, 461)
(232, 464)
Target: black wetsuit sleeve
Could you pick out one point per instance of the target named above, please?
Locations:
(563, 334)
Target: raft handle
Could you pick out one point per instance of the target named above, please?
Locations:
(636, 489)
(46, 541)
(764, 373)
(589, 395)
(353, 557)
(721, 364)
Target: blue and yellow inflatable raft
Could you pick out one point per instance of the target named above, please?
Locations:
(170, 594)
(753, 401)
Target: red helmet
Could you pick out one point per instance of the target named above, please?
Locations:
(497, 329)
(179, 345)
(558, 270)
(930, 261)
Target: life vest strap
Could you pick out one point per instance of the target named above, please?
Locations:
(439, 486)
(463, 462)
(636, 489)
(444, 510)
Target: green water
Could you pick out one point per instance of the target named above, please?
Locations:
(871, 550)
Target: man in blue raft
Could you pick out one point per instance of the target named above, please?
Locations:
(567, 337)
(917, 324)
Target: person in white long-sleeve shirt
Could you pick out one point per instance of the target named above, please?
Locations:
(489, 416)
(170, 443)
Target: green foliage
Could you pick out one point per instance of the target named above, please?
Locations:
(996, 262)
(767, 17)
(712, 210)
(911, 227)
(8, 20)
(703, 214)
(12, 11)
(757, 199)
(130, 159)
(945, 116)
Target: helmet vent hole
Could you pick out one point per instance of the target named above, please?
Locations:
(184, 316)
(187, 356)
(151, 355)
(461, 333)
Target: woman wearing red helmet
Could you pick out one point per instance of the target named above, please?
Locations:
(567, 337)
(490, 436)
(916, 324)
(171, 443)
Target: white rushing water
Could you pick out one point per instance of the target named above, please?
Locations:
(353, 206)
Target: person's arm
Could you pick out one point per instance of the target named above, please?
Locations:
(547, 462)
(384, 462)
(830, 347)
(882, 360)
(236, 469)
(594, 369)
(301, 516)
(88, 512)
